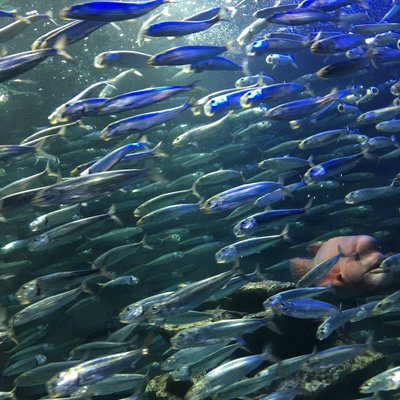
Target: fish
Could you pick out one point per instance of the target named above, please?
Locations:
(14, 29)
(110, 10)
(89, 372)
(266, 12)
(182, 27)
(330, 5)
(16, 64)
(247, 226)
(69, 33)
(335, 355)
(336, 44)
(302, 16)
(271, 92)
(251, 30)
(46, 285)
(168, 213)
(335, 322)
(340, 68)
(293, 294)
(305, 308)
(246, 247)
(69, 232)
(273, 44)
(122, 59)
(237, 196)
(142, 98)
(214, 64)
(83, 188)
(141, 122)
(140, 40)
(316, 140)
(366, 194)
(224, 375)
(189, 297)
(354, 271)
(183, 55)
(249, 81)
(44, 307)
(327, 169)
(320, 270)
(277, 60)
(204, 132)
(300, 108)
(391, 263)
(216, 332)
(385, 381)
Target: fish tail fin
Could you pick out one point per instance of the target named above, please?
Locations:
(396, 181)
(50, 172)
(285, 234)
(274, 328)
(242, 344)
(245, 67)
(11, 331)
(230, 10)
(258, 273)
(267, 351)
(370, 341)
(195, 87)
(395, 140)
(107, 274)
(309, 204)
(195, 192)
(368, 156)
(157, 152)
(145, 244)
(231, 46)
(60, 45)
(20, 17)
(156, 176)
(41, 153)
(222, 15)
(299, 267)
(85, 288)
(165, 12)
(363, 4)
(50, 16)
(111, 213)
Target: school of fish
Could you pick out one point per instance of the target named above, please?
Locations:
(269, 157)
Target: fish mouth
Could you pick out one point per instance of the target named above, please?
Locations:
(376, 268)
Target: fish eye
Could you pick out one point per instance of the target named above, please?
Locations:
(357, 256)
(317, 171)
(283, 306)
(214, 203)
(156, 308)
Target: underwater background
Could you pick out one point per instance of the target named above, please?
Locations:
(256, 195)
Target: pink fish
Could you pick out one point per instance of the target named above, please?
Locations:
(357, 269)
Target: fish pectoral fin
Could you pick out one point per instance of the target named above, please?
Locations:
(314, 247)
(338, 280)
(299, 267)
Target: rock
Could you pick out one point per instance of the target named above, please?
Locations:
(162, 387)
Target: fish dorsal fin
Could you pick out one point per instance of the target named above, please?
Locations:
(314, 247)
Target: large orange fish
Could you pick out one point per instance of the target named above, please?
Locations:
(358, 268)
